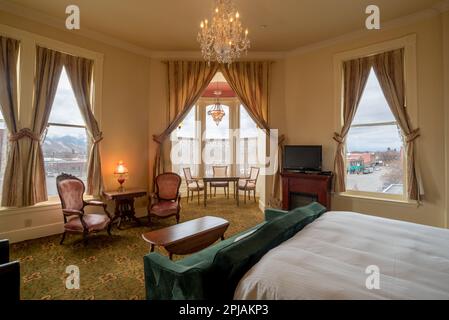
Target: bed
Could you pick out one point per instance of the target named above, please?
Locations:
(329, 258)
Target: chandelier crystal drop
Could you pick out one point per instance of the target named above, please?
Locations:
(223, 39)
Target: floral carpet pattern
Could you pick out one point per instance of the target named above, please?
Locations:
(111, 267)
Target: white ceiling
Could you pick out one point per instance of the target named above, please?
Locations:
(275, 25)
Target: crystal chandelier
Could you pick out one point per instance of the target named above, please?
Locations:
(217, 113)
(223, 39)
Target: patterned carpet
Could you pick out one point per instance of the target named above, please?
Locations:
(111, 268)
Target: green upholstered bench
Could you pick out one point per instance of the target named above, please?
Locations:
(214, 273)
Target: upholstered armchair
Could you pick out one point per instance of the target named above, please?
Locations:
(220, 171)
(9, 275)
(166, 201)
(249, 184)
(193, 184)
(71, 191)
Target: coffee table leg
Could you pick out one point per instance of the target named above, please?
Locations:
(152, 248)
(171, 256)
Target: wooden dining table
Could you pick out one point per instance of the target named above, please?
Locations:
(230, 179)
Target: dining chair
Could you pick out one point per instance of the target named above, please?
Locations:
(166, 201)
(193, 184)
(219, 172)
(71, 190)
(249, 184)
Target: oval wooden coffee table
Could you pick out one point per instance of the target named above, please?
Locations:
(188, 237)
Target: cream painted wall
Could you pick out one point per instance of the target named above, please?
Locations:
(124, 122)
(310, 106)
(446, 102)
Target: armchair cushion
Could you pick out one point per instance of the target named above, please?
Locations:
(94, 222)
(164, 208)
(193, 186)
(244, 186)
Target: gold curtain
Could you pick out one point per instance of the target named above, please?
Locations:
(250, 81)
(49, 65)
(80, 72)
(276, 197)
(389, 68)
(12, 195)
(186, 82)
(356, 74)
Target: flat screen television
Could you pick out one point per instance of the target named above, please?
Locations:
(303, 158)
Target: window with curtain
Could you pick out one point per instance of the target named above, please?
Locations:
(217, 148)
(3, 149)
(185, 145)
(375, 146)
(247, 143)
(65, 145)
(218, 145)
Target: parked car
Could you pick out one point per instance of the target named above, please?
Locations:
(368, 170)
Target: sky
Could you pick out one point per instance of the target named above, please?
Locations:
(65, 109)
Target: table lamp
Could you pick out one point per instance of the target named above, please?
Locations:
(122, 173)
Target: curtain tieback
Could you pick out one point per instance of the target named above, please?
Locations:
(412, 136)
(338, 138)
(98, 138)
(23, 133)
(157, 139)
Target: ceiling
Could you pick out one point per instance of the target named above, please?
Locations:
(274, 25)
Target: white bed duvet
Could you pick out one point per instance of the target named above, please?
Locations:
(328, 260)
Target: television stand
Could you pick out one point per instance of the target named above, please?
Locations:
(300, 189)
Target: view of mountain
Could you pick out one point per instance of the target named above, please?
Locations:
(58, 145)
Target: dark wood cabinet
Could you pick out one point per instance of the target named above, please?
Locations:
(302, 188)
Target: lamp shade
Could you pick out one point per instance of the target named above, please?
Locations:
(120, 168)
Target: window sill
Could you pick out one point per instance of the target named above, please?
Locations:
(52, 203)
(370, 197)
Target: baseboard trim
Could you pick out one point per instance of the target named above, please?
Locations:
(46, 230)
(33, 232)
(262, 205)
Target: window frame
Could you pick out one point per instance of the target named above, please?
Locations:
(26, 71)
(234, 105)
(196, 140)
(410, 66)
